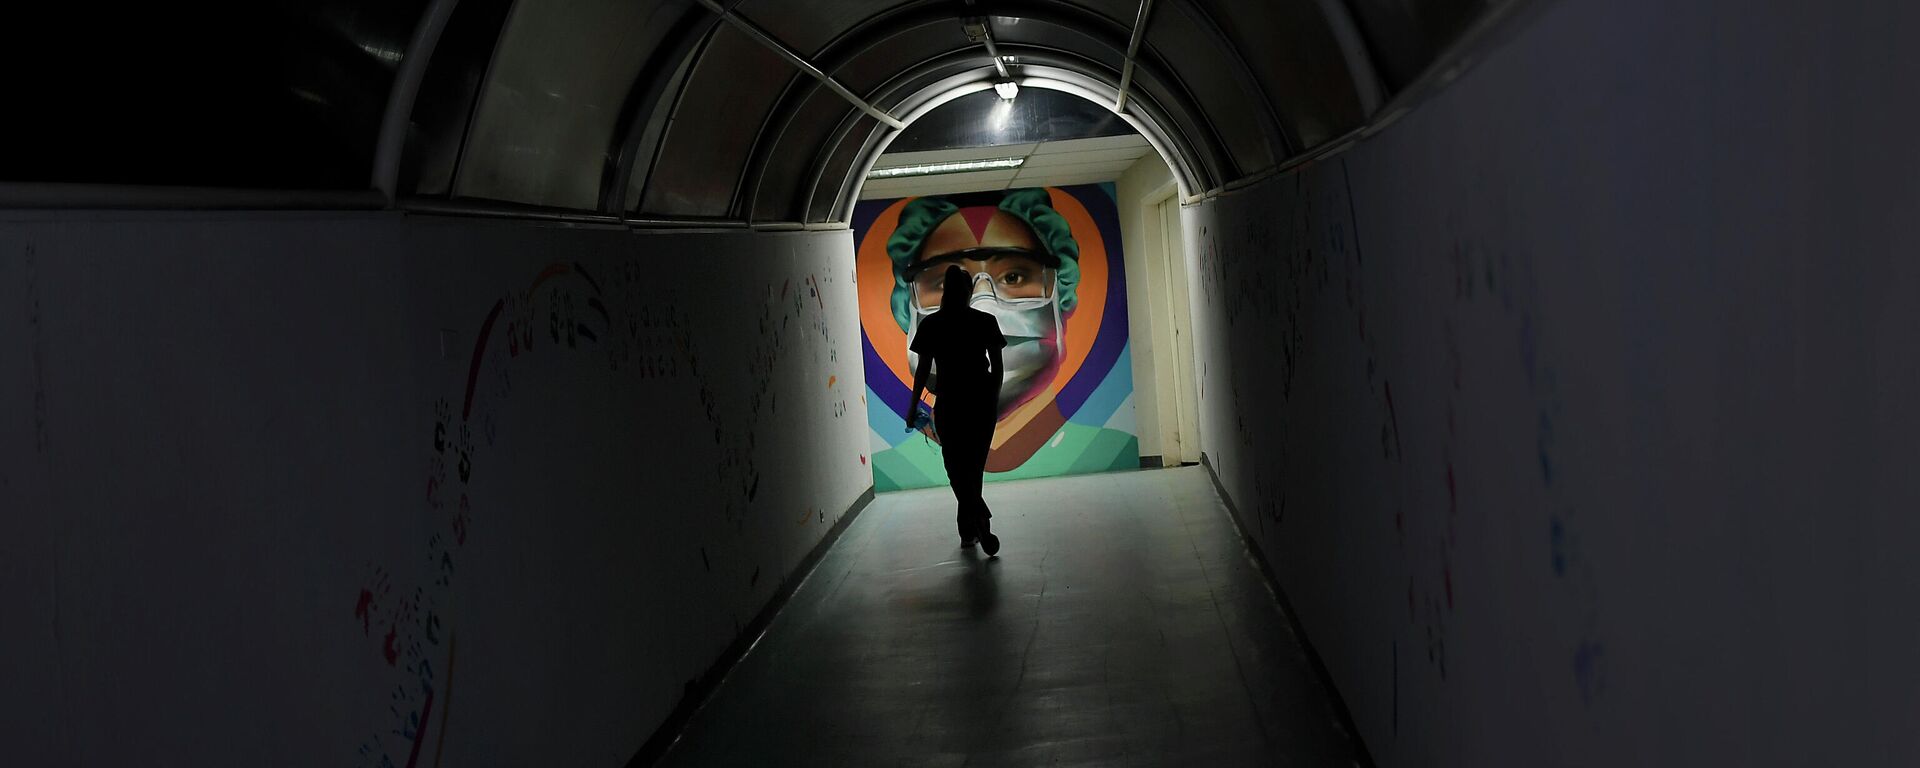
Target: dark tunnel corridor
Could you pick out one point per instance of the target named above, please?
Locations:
(1386, 382)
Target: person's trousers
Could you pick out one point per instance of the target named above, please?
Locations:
(965, 427)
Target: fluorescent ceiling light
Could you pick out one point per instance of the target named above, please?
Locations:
(958, 166)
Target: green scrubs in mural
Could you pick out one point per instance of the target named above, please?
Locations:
(1074, 449)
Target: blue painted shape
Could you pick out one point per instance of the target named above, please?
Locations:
(1111, 393)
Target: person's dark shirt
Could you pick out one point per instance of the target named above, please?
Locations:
(958, 340)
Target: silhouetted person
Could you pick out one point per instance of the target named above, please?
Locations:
(959, 348)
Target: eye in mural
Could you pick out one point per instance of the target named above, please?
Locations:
(1046, 264)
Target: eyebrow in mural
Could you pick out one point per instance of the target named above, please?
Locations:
(985, 253)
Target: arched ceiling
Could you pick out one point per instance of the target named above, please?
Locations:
(737, 111)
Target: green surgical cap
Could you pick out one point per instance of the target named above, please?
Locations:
(1032, 205)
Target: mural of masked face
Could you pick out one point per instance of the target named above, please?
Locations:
(1013, 279)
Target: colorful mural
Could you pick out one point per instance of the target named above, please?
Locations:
(1048, 266)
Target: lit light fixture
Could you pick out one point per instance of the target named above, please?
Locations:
(1007, 89)
(958, 166)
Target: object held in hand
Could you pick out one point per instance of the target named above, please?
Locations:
(920, 419)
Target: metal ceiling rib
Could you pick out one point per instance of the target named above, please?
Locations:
(1077, 37)
(720, 110)
(644, 115)
(549, 111)
(707, 141)
(919, 86)
(1133, 50)
(931, 96)
(800, 62)
(734, 156)
(1088, 34)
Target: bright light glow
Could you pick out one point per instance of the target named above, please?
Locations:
(1001, 112)
(958, 166)
(1007, 90)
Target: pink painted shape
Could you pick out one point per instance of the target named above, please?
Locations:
(977, 218)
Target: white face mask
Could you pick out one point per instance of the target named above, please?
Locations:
(1025, 322)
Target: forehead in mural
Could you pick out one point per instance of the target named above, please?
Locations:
(978, 227)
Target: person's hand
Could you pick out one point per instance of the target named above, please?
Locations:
(914, 420)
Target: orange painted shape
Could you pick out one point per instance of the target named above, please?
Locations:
(876, 290)
(1083, 325)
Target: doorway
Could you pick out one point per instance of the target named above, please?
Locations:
(1178, 400)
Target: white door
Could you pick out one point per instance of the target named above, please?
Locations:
(1186, 401)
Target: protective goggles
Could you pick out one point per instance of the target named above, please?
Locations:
(1014, 275)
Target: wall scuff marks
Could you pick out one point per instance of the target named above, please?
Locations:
(640, 333)
(568, 450)
(1557, 432)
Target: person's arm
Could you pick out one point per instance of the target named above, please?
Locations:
(994, 367)
(922, 372)
(995, 364)
(919, 384)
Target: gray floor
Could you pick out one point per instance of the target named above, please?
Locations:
(1122, 625)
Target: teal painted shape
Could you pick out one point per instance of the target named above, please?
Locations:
(883, 421)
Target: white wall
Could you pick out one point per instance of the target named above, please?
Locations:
(1575, 410)
(1147, 272)
(217, 430)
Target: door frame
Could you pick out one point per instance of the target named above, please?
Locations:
(1178, 395)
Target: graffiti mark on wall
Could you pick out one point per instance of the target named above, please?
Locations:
(1481, 273)
(1269, 280)
(626, 326)
(411, 627)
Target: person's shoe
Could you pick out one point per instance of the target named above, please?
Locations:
(967, 542)
(990, 544)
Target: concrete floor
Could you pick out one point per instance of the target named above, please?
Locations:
(1122, 625)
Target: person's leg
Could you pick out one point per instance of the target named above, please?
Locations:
(953, 436)
(980, 460)
(966, 476)
(979, 443)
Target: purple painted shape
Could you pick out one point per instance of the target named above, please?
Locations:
(891, 391)
(1112, 337)
(864, 214)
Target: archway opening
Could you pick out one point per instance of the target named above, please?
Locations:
(1092, 206)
